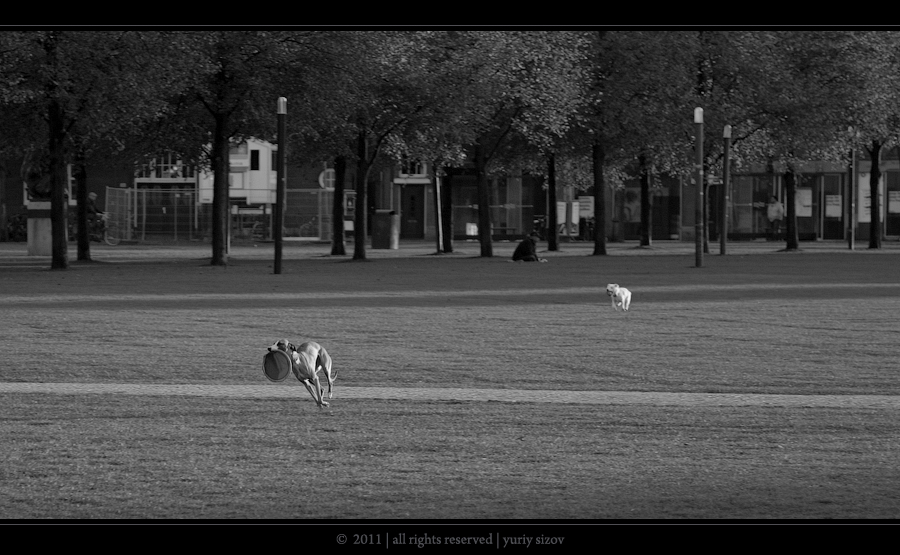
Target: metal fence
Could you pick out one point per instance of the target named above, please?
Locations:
(307, 214)
(119, 213)
(175, 214)
(513, 220)
(142, 214)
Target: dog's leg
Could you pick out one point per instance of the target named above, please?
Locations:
(325, 365)
(330, 381)
(309, 388)
(312, 391)
(321, 391)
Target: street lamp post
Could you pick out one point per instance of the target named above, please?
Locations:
(851, 185)
(726, 178)
(851, 210)
(439, 235)
(698, 211)
(278, 213)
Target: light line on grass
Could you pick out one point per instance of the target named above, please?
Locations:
(658, 398)
(598, 291)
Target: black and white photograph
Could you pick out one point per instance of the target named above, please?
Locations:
(283, 275)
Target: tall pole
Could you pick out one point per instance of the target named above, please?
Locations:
(438, 224)
(280, 172)
(726, 175)
(851, 210)
(698, 211)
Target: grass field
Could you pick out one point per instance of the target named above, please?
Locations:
(800, 324)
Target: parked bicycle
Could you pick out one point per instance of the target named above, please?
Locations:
(539, 226)
(100, 230)
(260, 232)
(310, 228)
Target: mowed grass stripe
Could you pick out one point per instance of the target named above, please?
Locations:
(467, 394)
(768, 346)
(313, 295)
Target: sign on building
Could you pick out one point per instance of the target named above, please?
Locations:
(865, 197)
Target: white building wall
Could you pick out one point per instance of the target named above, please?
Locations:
(253, 186)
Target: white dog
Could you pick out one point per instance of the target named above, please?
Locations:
(620, 296)
(307, 360)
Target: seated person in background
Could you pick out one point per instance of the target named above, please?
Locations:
(526, 251)
(92, 210)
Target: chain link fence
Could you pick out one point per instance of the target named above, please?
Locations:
(175, 214)
(153, 214)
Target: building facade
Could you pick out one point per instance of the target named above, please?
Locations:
(169, 199)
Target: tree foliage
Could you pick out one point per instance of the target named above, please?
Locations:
(803, 109)
(602, 103)
(515, 92)
(231, 96)
(69, 92)
(872, 59)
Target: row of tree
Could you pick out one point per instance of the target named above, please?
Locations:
(582, 105)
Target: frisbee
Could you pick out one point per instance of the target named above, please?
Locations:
(276, 365)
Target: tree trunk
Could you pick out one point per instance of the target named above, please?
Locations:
(337, 207)
(79, 171)
(552, 223)
(56, 143)
(792, 236)
(59, 248)
(484, 202)
(447, 213)
(874, 178)
(220, 214)
(618, 227)
(4, 236)
(646, 207)
(360, 217)
(598, 155)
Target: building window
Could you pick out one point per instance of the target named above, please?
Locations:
(165, 166)
(411, 168)
(254, 159)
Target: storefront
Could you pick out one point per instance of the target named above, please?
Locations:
(512, 206)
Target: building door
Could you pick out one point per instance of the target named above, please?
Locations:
(833, 215)
(806, 205)
(412, 212)
(713, 211)
(892, 221)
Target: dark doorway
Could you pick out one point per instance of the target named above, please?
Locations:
(833, 218)
(412, 212)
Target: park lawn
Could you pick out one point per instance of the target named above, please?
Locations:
(805, 324)
(770, 345)
(125, 457)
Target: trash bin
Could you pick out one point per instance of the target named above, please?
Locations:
(386, 230)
